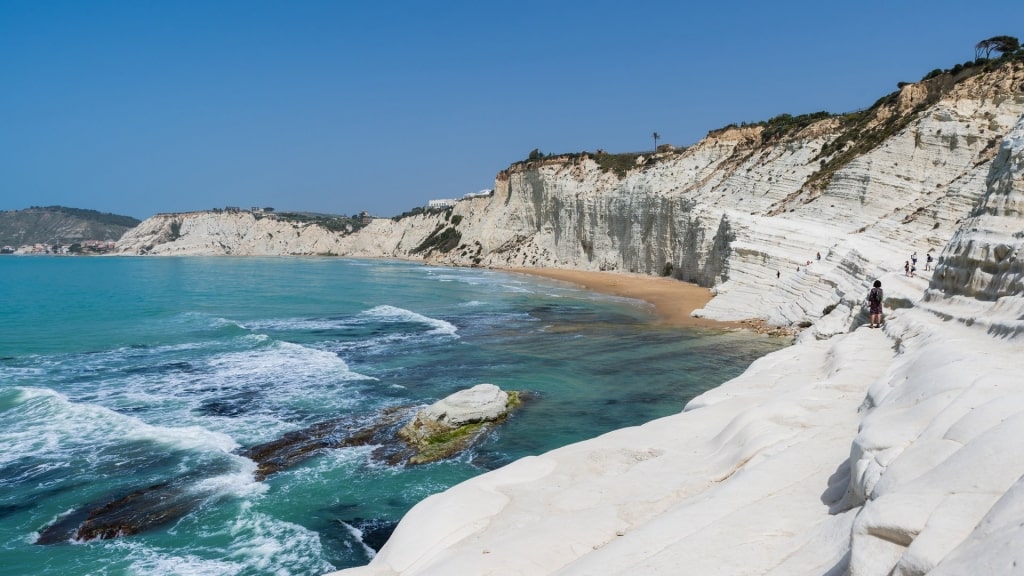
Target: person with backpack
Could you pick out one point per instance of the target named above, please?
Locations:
(875, 297)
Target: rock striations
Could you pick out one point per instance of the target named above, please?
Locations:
(855, 451)
(729, 213)
(227, 233)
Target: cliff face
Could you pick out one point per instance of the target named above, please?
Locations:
(227, 233)
(740, 212)
(984, 260)
(935, 477)
(856, 451)
(732, 212)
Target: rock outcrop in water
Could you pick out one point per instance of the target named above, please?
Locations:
(460, 423)
(453, 423)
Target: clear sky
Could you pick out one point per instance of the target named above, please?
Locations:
(138, 107)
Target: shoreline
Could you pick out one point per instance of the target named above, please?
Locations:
(673, 300)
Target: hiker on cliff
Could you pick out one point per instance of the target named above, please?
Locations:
(875, 296)
(906, 267)
(913, 259)
(928, 261)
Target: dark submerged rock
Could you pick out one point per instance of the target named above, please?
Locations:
(375, 532)
(441, 436)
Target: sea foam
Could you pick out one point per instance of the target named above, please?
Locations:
(394, 314)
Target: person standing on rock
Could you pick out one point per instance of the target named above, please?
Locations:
(906, 267)
(875, 296)
(913, 259)
(928, 261)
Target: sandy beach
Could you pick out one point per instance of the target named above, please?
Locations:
(673, 300)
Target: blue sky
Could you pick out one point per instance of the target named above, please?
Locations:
(140, 107)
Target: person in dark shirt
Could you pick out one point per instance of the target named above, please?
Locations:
(875, 296)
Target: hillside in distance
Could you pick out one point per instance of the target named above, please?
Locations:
(60, 225)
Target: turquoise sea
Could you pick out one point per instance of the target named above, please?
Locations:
(121, 376)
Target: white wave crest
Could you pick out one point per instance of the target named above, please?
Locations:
(285, 324)
(260, 540)
(145, 560)
(283, 362)
(241, 484)
(358, 535)
(518, 289)
(388, 313)
(258, 544)
(49, 424)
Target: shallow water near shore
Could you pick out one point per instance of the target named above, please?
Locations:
(118, 374)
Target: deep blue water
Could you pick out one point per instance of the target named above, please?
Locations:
(119, 374)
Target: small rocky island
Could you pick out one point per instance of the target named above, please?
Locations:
(452, 424)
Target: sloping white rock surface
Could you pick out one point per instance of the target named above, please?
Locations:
(752, 462)
(856, 451)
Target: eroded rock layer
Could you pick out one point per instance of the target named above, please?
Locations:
(855, 451)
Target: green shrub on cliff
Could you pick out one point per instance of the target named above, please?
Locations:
(787, 124)
(441, 239)
(342, 224)
(620, 164)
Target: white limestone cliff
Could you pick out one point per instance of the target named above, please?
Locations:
(728, 213)
(855, 451)
(227, 233)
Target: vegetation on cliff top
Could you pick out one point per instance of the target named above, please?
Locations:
(334, 223)
(90, 215)
(783, 125)
(857, 133)
(620, 163)
(421, 210)
(60, 224)
(861, 132)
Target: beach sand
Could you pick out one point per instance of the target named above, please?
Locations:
(673, 300)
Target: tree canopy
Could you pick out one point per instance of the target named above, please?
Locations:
(1001, 44)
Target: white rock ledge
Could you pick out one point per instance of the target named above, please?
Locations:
(897, 451)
